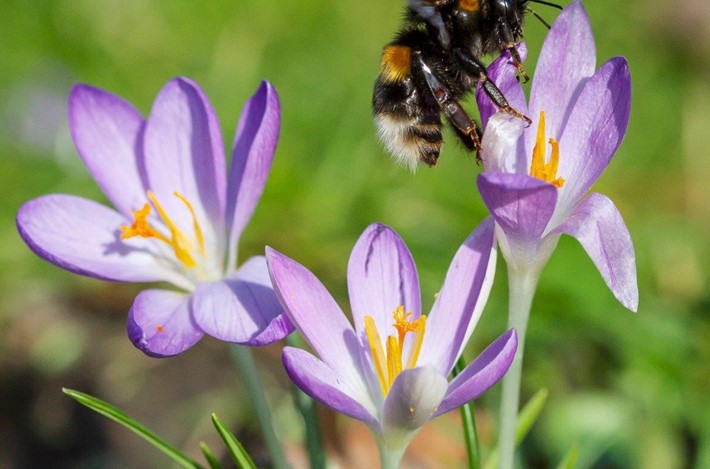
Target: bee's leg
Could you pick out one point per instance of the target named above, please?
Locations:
(475, 67)
(465, 127)
(517, 62)
(508, 37)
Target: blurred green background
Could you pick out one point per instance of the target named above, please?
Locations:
(632, 390)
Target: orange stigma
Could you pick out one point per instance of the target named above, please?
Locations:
(389, 365)
(180, 244)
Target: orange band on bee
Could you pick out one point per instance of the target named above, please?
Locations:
(469, 5)
(396, 63)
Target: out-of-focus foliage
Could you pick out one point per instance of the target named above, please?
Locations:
(631, 390)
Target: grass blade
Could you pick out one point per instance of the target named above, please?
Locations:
(239, 454)
(107, 410)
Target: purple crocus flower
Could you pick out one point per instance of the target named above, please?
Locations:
(583, 116)
(177, 217)
(390, 370)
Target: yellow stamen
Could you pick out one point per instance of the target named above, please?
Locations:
(394, 360)
(545, 171)
(195, 224)
(180, 244)
(378, 354)
(388, 365)
(418, 327)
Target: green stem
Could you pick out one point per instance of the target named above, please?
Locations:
(244, 362)
(390, 459)
(468, 416)
(521, 286)
(314, 438)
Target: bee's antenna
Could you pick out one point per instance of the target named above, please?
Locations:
(530, 10)
(549, 4)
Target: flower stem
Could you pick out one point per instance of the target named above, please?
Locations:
(521, 290)
(314, 439)
(390, 459)
(244, 362)
(468, 416)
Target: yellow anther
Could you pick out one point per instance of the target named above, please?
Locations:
(180, 244)
(195, 223)
(394, 360)
(539, 168)
(378, 354)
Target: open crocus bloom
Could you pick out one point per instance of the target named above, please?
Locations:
(177, 219)
(579, 118)
(390, 370)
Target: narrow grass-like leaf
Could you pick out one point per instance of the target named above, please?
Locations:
(468, 417)
(239, 454)
(526, 418)
(570, 459)
(314, 439)
(209, 456)
(119, 416)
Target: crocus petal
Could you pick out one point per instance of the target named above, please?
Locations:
(108, 133)
(521, 205)
(83, 236)
(184, 153)
(243, 308)
(504, 74)
(481, 374)
(502, 149)
(318, 318)
(460, 303)
(411, 402)
(381, 277)
(320, 382)
(252, 153)
(598, 226)
(160, 324)
(567, 60)
(594, 131)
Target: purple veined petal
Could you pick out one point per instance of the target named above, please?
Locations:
(381, 277)
(598, 226)
(504, 74)
(252, 154)
(84, 237)
(160, 323)
(184, 153)
(502, 148)
(319, 319)
(461, 300)
(595, 131)
(412, 401)
(320, 382)
(481, 374)
(243, 308)
(108, 133)
(521, 205)
(567, 60)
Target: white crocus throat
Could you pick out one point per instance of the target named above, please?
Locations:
(388, 361)
(539, 167)
(189, 251)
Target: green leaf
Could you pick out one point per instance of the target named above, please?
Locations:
(119, 416)
(526, 418)
(239, 454)
(468, 417)
(209, 456)
(570, 459)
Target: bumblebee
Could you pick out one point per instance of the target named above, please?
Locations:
(432, 63)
